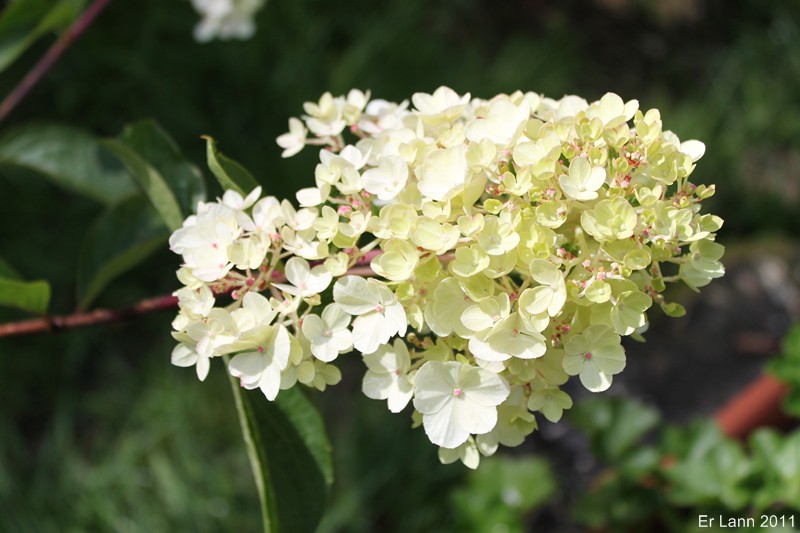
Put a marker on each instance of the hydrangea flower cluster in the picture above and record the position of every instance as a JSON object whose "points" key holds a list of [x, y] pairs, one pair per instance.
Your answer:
{"points": [[226, 19], [475, 253]]}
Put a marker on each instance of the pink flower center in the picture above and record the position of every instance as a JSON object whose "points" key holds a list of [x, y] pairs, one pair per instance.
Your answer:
{"points": [[588, 355], [458, 393]]}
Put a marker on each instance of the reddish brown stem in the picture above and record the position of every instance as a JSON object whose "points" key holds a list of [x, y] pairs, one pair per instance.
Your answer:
{"points": [[50, 57], [92, 318], [106, 316]]}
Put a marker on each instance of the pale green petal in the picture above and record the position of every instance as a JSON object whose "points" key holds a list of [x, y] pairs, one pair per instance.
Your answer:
{"points": [[355, 295]]}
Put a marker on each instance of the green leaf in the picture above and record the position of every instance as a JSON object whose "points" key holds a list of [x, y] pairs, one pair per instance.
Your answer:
{"points": [[778, 465], [151, 182], [717, 477], [33, 296], [229, 173], [121, 238], [172, 184], [70, 157], [310, 426], [289, 455], [787, 369], [673, 309], [183, 179], [501, 492], [614, 425], [24, 21]]}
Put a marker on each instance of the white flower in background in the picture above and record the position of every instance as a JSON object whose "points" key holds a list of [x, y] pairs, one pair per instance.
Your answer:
{"points": [[226, 19], [327, 333], [457, 400], [387, 375]]}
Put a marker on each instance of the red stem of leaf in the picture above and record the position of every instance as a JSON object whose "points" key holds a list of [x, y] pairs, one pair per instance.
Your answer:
{"points": [[50, 57]]}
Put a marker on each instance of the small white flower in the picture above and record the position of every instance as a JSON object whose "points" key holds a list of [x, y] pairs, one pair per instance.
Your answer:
{"points": [[212, 333], [293, 141], [387, 375], [184, 356], [226, 19], [502, 124], [262, 367], [387, 179], [197, 302], [379, 315], [457, 400], [234, 200], [328, 334], [443, 173], [305, 281], [204, 239], [444, 104]]}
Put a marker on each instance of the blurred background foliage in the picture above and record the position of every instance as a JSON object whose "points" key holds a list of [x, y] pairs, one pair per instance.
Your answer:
{"points": [[98, 432]]}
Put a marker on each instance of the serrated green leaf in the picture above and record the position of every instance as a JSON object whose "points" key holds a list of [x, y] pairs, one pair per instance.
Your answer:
{"points": [[121, 238], [229, 173], [289, 456], [70, 157], [33, 296]]}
